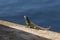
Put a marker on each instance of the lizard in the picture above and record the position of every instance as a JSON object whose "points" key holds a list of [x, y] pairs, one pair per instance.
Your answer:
{"points": [[32, 25]]}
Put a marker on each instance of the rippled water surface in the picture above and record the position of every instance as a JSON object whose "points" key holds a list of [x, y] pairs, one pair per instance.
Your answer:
{"points": [[42, 12]]}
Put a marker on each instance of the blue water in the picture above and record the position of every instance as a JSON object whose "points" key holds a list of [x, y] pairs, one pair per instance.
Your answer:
{"points": [[42, 12]]}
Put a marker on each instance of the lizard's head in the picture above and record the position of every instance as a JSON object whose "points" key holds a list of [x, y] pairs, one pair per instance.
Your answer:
{"points": [[27, 20], [25, 17]]}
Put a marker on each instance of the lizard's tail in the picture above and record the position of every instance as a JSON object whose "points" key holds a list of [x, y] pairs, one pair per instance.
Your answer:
{"points": [[48, 28]]}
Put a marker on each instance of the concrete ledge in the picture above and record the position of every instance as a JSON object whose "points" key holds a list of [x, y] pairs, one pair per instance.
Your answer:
{"points": [[41, 33]]}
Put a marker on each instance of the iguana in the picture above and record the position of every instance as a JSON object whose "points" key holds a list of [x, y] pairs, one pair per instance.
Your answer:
{"points": [[34, 26]]}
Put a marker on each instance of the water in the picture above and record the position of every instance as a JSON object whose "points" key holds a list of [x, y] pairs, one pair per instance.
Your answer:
{"points": [[42, 12]]}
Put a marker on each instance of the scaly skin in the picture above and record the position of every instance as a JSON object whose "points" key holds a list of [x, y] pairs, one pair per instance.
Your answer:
{"points": [[31, 25]]}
